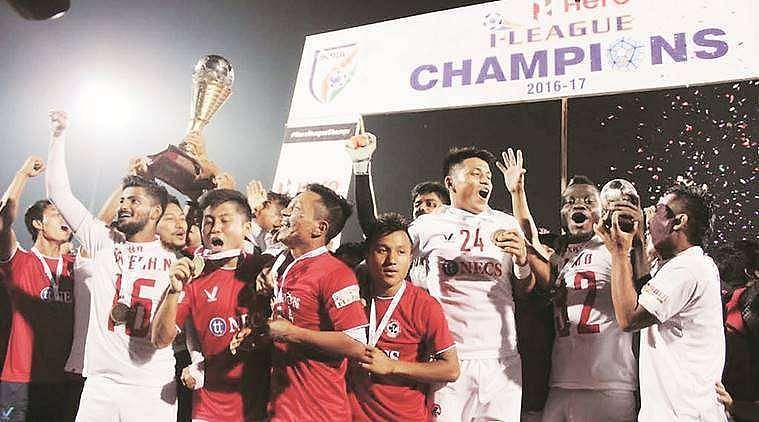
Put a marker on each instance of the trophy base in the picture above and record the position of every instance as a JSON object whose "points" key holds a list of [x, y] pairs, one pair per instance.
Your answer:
{"points": [[180, 171]]}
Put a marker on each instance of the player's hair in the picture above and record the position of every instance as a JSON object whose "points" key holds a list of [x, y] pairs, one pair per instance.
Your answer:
{"points": [[385, 224], [34, 213], [457, 155], [735, 260], [579, 179], [282, 199], [156, 192], [171, 199], [338, 208], [216, 197], [693, 202], [351, 253], [431, 187]]}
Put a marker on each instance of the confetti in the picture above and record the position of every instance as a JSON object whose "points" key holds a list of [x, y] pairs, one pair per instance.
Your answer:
{"points": [[708, 136]]}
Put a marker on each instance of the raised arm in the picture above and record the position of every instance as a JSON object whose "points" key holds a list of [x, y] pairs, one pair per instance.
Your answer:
{"points": [[81, 221], [360, 149], [514, 172], [32, 167]]}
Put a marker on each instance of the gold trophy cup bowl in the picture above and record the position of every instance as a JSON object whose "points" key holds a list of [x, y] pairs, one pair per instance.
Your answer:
{"points": [[186, 167]]}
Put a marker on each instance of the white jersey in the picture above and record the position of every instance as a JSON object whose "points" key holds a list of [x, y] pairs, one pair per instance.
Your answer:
{"points": [[590, 350], [121, 353], [683, 354], [457, 262], [83, 269]]}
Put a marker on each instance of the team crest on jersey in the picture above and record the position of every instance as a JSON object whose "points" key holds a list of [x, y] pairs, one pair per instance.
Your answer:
{"points": [[393, 328], [212, 294], [436, 410], [217, 326]]}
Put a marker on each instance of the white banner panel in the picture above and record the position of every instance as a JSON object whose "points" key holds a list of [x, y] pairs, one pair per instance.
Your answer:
{"points": [[522, 50]]}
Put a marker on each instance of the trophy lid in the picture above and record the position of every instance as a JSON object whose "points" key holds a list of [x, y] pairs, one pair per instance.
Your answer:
{"points": [[618, 190], [213, 68]]}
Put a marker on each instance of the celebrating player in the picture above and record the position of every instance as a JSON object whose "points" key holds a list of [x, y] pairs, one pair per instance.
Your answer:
{"points": [[40, 289], [472, 254], [593, 369], [267, 216], [214, 304], [130, 276], [406, 327], [318, 317], [682, 347]]}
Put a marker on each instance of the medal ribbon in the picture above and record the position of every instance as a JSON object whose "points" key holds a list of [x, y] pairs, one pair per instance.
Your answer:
{"points": [[58, 270], [375, 332]]}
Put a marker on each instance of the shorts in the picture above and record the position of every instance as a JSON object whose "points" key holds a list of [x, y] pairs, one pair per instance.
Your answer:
{"points": [[106, 401], [487, 390], [590, 406]]}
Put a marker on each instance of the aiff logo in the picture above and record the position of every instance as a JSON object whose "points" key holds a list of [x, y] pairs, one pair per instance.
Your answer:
{"points": [[332, 70]]}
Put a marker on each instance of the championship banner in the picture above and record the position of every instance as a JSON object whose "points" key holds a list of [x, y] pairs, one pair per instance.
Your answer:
{"points": [[523, 50]]}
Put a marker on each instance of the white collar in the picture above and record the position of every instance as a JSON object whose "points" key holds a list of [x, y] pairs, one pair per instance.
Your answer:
{"points": [[312, 253]]}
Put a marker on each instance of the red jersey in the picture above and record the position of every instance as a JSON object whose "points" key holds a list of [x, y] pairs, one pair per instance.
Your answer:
{"points": [[318, 292], [219, 303], [416, 330], [42, 320]]}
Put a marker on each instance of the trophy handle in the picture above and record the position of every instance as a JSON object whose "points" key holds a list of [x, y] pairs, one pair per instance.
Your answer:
{"points": [[180, 171]]}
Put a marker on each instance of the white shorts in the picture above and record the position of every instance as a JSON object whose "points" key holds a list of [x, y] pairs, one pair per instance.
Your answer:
{"points": [[487, 390], [590, 405], [106, 401]]}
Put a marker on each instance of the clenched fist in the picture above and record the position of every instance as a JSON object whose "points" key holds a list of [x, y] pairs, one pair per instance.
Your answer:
{"points": [[58, 122], [181, 273], [361, 147], [32, 167]]}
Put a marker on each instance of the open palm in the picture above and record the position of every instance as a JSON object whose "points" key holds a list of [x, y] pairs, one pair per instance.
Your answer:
{"points": [[512, 169]]}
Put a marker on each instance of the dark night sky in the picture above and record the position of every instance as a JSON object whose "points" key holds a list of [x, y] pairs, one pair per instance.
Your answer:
{"points": [[122, 70]]}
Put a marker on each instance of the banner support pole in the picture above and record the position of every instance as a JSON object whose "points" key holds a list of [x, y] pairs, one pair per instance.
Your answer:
{"points": [[564, 147]]}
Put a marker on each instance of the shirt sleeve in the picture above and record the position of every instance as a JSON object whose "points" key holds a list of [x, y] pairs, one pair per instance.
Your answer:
{"points": [[342, 300], [438, 337], [668, 293], [184, 306], [14, 264], [90, 232], [366, 208]]}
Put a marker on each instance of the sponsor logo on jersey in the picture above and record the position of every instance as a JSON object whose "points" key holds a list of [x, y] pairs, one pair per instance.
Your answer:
{"points": [[48, 295], [217, 326], [448, 237], [346, 296], [212, 294], [393, 354], [480, 268], [393, 328], [658, 294]]}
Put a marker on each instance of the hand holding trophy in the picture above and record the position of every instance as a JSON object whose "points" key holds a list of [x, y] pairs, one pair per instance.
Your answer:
{"points": [[186, 167]]}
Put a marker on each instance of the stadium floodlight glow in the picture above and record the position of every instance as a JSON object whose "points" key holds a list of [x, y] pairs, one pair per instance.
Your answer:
{"points": [[40, 10], [105, 104]]}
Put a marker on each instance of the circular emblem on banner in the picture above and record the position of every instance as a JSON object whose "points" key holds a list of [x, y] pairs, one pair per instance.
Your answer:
{"points": [[46, 294], [450, 268], [217, 326], [393, 328]]}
